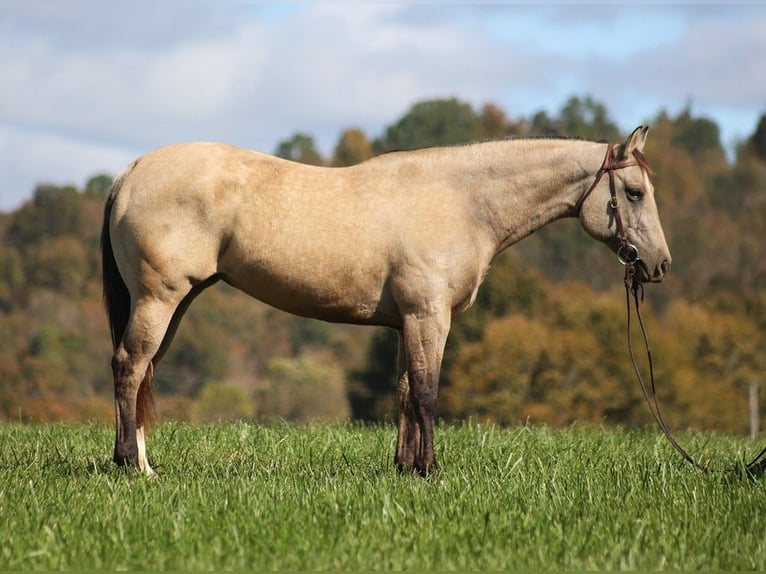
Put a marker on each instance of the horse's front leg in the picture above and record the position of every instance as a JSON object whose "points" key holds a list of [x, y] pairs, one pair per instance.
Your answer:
{"points": [[423, 343], [409, 430]]}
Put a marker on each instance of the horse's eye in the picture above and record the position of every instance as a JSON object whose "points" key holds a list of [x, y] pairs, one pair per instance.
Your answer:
{"points": [[634, 193]]}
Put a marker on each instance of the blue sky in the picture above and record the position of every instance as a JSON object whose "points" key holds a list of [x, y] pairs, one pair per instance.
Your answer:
{"points": [[88, 85]]}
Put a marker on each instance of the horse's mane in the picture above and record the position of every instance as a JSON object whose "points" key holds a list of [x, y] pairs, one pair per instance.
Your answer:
{"points": [[512, 138]]}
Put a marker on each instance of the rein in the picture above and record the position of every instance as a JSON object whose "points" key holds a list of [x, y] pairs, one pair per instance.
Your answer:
{"points": [[627, 253]]}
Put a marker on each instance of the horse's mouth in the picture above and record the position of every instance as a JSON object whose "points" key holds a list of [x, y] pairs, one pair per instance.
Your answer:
{"points": [[641, 272], [643, 275]]}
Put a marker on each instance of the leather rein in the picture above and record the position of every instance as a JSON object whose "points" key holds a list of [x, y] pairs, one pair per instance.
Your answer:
{"points": [[628, 255]]}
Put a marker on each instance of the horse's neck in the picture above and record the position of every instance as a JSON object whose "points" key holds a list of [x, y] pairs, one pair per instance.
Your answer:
{"points": [[520, 186]]}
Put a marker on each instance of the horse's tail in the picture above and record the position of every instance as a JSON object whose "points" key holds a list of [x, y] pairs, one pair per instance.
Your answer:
{"points": [[117, 300], [116, 294]]}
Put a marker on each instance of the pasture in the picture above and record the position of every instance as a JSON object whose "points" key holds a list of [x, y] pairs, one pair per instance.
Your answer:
{"points": [[236, 496]]}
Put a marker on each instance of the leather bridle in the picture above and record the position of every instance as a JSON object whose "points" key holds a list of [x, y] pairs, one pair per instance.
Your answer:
{"points": [[627, 253]]}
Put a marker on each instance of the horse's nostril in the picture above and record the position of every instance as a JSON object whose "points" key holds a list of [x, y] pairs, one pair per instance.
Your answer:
{"points": [[664, 267]]}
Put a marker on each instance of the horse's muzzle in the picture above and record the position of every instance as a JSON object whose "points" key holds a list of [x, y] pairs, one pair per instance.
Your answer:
{"points": [[655, 276], [661, 270]]}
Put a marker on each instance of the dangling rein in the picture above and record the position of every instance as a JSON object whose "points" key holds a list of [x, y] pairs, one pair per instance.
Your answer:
{"points": [[628, 256], [755, 468]]}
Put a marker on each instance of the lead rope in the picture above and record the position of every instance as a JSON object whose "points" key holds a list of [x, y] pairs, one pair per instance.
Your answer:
{"points": [[628, 256], [755, 468]]}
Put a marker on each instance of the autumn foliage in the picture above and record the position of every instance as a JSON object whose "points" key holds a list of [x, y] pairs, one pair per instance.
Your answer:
{"points": [[545, 341]]}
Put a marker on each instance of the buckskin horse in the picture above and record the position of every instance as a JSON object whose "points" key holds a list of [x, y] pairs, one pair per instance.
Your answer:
{"points": [[402, 240]]}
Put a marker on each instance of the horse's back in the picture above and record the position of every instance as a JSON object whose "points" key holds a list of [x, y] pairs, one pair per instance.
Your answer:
{"points": [[288, 234], [320, 242]]}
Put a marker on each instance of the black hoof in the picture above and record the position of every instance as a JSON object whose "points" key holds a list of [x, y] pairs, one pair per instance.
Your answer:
{"points": [[130, 459], [425, 471]]}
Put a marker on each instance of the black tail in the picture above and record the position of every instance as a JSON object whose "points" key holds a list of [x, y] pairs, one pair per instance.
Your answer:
{"points": [[117, 303], [116, 294]]}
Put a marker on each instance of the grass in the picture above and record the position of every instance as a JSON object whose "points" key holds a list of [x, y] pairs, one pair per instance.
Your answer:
{"points": [[235, 496]]}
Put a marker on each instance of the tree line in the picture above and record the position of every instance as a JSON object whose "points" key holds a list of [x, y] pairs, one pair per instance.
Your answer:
{"points": [[545, 341]]}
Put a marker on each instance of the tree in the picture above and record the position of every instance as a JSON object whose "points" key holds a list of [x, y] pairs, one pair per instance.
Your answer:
{"points": [[432, 123], [588, 119], [223, 402], [543, 125], [301, 148], [700, 136], [372, 389], [685, 183], [496, 125], [757, 141], [53, 212], [302, 389], [11, 277], [545, 339], [353, 147], [578, 117], [508, 288], [98, 186], [554, 365], [198, 355], [60, 263]]}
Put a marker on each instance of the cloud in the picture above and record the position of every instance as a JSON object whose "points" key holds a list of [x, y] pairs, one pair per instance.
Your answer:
{"points": [[89, 86], [250, 80], [31, 158], [713, 64], [717, 62]]}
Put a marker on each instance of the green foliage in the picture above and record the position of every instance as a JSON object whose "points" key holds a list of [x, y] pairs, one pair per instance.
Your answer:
{"points": [[11, 277], [580, 118], [300, 147], [301, 390], [509, 288], [545, 367], [432, 123], [545, 339], [60, 264], [757, 142], [588, 119], [53, 212], [98, 186], [223, 402], [281, 497], [700, 136], [197, 356], [48, 345], [371, 391]]}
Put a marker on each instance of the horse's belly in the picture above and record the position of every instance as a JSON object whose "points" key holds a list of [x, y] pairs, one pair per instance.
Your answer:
{"points": [[337, 294]]}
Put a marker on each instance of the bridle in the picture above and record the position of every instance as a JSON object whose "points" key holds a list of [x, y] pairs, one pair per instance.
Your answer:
{"points": [[627, 254]]}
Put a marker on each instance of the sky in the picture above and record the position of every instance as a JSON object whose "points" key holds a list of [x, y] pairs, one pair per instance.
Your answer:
{"points": [[86, 86]]}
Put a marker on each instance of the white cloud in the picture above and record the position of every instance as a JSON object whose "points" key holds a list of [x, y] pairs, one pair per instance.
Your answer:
{"points": [[32, 157], [87, 88], [717, 62]]}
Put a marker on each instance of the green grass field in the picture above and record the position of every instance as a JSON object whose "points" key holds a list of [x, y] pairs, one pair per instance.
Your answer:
{"points": [[235, 496]]}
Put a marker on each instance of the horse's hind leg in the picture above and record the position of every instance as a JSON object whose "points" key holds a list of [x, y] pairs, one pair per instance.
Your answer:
{"points": [[133, 371]]}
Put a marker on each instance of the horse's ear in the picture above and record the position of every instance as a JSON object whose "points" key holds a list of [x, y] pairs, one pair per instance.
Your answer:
{"points": [[635, 141]]}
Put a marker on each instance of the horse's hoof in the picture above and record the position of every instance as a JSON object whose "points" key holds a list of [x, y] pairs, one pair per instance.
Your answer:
{"points": [[425, 471], [428, 470]]}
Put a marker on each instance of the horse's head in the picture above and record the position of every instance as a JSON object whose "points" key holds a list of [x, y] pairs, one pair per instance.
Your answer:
{"points": [[619, 209]]}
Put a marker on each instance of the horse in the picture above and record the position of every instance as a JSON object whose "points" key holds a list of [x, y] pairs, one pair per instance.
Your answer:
{"points": [[402, 240]]}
